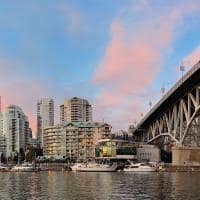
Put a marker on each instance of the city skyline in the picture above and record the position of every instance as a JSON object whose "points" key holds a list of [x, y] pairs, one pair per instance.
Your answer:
{"points": [[118, 55]]}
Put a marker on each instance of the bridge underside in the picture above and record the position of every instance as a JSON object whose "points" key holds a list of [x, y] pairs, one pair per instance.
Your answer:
{"points": [[179, 124]]}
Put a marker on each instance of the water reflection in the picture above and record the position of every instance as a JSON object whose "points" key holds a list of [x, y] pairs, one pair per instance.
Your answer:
{"points": [[70, 185]]}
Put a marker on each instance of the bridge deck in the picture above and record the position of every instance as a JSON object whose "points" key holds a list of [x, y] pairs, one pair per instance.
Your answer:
{"points": [[186, 83]]}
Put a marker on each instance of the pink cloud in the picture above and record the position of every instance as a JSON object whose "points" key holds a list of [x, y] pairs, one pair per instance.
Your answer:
{"points": [[25, 95], [18, 89], [132, 60]]}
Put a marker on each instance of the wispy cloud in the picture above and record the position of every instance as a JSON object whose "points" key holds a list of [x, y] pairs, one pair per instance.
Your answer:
{"points": [[139, 39]]}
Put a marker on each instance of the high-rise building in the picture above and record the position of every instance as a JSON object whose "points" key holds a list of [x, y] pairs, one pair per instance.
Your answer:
{"points": [[14, 131], [75, 110], [45, 116]]}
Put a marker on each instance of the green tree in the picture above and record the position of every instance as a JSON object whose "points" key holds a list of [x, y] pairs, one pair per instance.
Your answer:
{"points": [[39, 151], [32, 153], [30, 156]]}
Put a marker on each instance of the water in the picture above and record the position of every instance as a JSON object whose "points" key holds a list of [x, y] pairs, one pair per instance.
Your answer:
{"points": [[99, 186]]}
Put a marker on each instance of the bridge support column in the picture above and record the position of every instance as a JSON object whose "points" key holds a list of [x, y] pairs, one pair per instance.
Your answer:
{"points": [[186, 156]]}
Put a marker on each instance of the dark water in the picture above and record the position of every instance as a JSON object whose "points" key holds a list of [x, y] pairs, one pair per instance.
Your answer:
{"points": [[119, 185]]}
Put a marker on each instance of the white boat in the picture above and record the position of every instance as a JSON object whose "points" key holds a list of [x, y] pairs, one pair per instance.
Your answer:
{"points": [[93, 167], [139, 167], [24, 168]]}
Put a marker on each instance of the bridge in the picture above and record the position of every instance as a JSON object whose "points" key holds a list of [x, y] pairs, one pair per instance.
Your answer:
{"points": [[175, 118]]}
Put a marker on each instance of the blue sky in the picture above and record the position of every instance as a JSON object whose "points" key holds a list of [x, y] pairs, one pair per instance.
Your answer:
{"points": [[116, 53]]}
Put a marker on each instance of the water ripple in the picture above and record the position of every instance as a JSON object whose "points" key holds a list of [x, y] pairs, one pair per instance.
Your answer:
{"points": [[98, 186]]}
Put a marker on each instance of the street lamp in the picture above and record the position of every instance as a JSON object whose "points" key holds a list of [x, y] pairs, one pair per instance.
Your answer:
{"points": [[162, 90], [150, 104]]}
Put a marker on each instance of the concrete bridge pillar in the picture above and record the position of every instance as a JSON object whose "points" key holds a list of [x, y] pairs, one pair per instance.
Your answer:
{"points": [[189, 156]]}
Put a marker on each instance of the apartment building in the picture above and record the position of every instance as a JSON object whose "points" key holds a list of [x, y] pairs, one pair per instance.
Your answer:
{"points": [[75, 140]]}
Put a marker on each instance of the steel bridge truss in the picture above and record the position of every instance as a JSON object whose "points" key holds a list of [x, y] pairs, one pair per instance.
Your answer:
{"points": [[180, 123]]}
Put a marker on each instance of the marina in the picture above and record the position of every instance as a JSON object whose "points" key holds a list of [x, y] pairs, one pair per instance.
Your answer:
{"points": [[129, 166], [100, 100]]}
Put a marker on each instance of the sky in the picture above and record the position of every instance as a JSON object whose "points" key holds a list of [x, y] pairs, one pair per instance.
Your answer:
{"points": [[118, 54]]}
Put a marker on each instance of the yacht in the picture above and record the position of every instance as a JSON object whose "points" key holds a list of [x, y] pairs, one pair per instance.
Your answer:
{"points": [[94, 167], [139, 167]]}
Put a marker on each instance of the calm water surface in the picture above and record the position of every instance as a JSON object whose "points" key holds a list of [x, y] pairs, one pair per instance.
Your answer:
{"points": [[119, 185]]}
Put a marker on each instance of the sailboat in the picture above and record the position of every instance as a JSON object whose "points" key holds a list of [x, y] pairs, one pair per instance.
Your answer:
{"points": [[25, 167]]}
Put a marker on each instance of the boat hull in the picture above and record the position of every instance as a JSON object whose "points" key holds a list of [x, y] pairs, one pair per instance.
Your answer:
{"points": [[96, 170], [24, 170], [140, 170]]}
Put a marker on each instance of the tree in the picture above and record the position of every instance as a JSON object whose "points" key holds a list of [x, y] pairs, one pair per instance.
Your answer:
{"points": [[39, 151], [30, 156], [32, 153]]}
